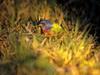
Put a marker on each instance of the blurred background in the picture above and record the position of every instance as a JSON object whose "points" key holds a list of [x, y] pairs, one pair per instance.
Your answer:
{"points": [[88, 10]]}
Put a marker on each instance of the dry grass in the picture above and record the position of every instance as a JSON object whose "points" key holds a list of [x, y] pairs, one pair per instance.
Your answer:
{"points": [[68, 52]]}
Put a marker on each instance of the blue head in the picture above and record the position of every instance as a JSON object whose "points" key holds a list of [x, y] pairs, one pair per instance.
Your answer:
{"points": [[46, 24]]}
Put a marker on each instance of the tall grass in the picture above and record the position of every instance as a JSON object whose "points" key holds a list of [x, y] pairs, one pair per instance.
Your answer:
{"points": [[68, 52]]}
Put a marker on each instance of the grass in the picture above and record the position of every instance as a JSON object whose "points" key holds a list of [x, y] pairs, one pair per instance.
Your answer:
{"points": [[68, 52]]}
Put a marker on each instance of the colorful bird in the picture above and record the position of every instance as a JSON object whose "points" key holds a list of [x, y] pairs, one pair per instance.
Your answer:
{"points": [[46, 26]]}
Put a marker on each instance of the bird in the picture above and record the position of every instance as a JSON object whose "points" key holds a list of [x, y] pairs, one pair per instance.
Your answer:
{"points": [[46, 24], [46, 27]]}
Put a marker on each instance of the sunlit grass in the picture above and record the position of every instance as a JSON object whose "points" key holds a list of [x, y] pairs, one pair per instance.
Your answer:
{"points": [[66, 52]]}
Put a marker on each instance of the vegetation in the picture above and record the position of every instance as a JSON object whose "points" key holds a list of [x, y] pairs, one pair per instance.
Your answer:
{"points": [[25, 50]]}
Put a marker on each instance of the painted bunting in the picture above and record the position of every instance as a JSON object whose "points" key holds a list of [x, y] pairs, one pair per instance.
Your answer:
{"points": [[46, 26]]}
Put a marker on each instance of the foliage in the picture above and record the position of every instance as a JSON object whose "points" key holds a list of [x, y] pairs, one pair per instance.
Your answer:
{"points": [[69, 51]]}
